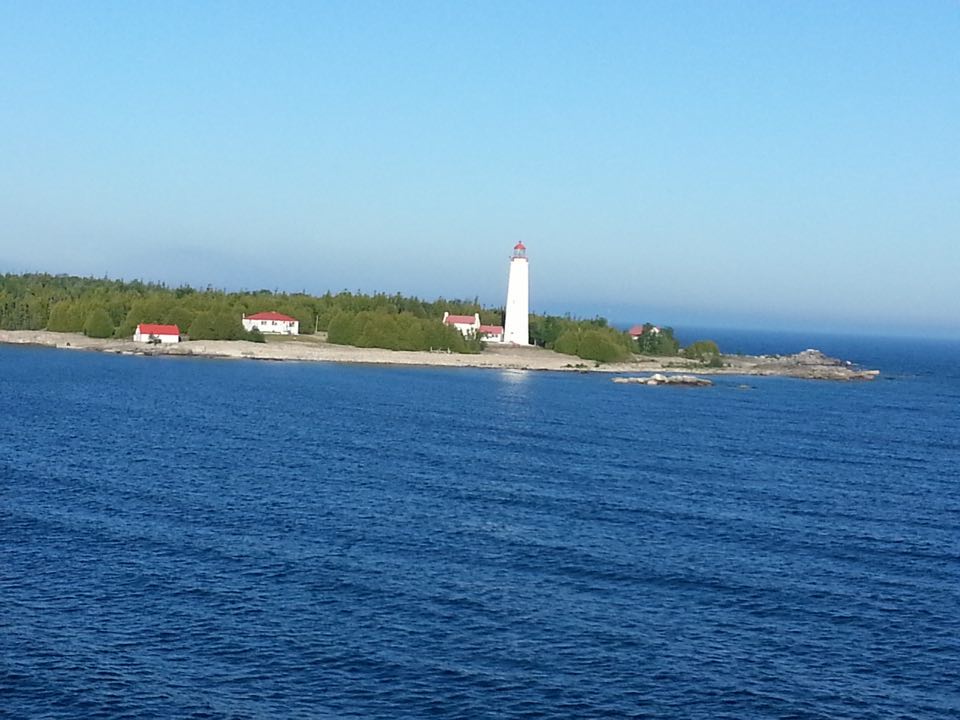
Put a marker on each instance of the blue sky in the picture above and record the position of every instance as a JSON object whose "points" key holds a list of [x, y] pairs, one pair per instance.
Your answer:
{"points": [[767, 164]]}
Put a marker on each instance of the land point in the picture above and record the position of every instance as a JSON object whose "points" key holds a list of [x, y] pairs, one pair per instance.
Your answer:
{"points": [[809, 364]]}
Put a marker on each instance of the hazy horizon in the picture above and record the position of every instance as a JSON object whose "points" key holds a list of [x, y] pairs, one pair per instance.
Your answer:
{"points": [[749, 165], [618, 317]]}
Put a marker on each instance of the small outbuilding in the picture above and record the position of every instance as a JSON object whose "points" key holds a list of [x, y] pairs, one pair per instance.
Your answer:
{"points": [[491, 333], [272, 322], [158, 334]]}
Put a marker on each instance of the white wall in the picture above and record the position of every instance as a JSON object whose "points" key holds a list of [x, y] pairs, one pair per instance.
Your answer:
{"points": [[164, 339], [466, 329], [516, 328], [276, 327]]}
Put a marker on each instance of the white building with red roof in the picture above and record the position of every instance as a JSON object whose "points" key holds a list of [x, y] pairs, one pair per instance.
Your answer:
{"points": [[467, 324], [491, 333], [638, 330], [272, 322], [157, 334]]}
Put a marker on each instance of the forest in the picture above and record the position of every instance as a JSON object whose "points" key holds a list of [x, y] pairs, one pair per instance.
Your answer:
{"points": [[102, 307]]}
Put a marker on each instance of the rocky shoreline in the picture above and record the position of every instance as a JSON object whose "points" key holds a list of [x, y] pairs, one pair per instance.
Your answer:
{"points": [[809, 364]]}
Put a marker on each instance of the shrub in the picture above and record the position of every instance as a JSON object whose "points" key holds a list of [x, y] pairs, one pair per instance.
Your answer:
{"points": [[602, 347], [702, 350], [600, 344], [202, 327], [568, 343], [397, 331], [98, 324], [66, 317], [228, 326], [656, 341], [222, 325]]}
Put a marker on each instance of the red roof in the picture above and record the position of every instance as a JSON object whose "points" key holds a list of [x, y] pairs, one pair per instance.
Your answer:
{"points": [[271, 316], [460, 319], [491, 329], [635, 330], [520, 246], [151, 329]]}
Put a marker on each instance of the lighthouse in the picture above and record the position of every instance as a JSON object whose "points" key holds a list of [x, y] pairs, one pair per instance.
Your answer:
{"points": [[516, 328]]}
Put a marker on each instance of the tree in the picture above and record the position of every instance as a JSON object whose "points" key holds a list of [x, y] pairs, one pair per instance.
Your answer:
{"points": [[568, 343], [657, 341], [65, 316], [98, 324], [202, 327], [180, 316], [703, 350], [599, 343], [343, 329], [602, 347], [228, 326]]}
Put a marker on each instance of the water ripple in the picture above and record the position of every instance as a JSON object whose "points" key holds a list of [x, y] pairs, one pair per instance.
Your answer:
{"points": [[309, 541]]}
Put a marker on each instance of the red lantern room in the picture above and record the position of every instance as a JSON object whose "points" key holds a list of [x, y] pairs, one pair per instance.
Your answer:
{"points": [[520, 250]]}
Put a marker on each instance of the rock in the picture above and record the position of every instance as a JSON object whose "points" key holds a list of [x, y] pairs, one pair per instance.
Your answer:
{"points": [[812, 365], [660, 379]]}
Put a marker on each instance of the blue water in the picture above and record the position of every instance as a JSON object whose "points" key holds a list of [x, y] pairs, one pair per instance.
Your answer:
{"points": [[214, 539]]}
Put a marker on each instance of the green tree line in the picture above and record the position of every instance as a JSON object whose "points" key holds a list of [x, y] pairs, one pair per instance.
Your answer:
{"points": [[398, 331], [114, 308], [102, 307], [594, 339]]}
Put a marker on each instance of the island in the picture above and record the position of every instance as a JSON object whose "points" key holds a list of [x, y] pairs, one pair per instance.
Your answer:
{"points": [[809, 364], [142, 318]]}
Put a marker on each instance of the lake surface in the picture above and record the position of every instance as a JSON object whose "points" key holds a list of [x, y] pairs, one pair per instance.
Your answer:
{"points": [[234, 539]]}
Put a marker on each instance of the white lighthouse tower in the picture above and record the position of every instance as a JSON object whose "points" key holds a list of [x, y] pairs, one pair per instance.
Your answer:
{"points": [[516, 328]]}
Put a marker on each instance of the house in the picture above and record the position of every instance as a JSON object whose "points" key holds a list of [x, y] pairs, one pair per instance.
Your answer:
{"points": [[491, 333], [272, 322], [467, 324], [637, 330], [151, 333]]}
